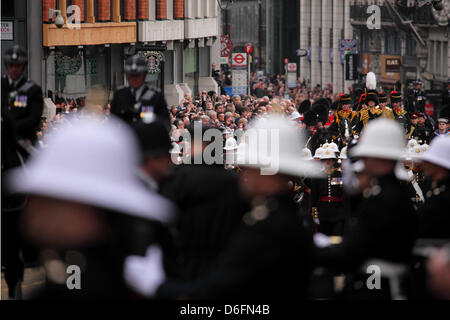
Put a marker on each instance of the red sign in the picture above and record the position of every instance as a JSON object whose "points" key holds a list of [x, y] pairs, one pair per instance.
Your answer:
{"points": [[248, 48], [239, 60], [292, 67], [286, 61], [225, 46], [429, 109]]}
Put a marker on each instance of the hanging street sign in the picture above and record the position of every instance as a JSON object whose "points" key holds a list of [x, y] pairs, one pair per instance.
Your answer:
{"points": [[225, 46], [302, 52]]}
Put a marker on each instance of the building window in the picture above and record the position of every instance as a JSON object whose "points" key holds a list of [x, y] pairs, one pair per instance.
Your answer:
{"points": [[81, 4], [190, 67], [168, 67], [410, 46], [178, 9], [143, 9], [392, 44], [71, 71], [437, 58], [128, 10], [204, 62], [444, 68], [161, 10], [8, 8], [102, 10], [179, 62]]}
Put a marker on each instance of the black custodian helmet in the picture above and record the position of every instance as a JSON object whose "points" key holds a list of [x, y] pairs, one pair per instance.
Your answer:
{"points": [[136, 65], [16, 55]]}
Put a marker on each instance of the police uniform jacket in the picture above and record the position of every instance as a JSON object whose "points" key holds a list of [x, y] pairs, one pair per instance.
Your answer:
{"points": [[24, 104], [269, 257], [385, 228], [126, 107], [416, 101]]}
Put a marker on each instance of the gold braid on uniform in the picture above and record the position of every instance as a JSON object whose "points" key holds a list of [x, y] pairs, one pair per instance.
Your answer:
{"points": [[315, 213], [400, 111], [387, 113], [411, 132], [364, 114]]}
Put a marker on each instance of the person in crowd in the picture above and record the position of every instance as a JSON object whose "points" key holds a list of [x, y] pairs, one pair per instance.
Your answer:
{"points": [[434, 220]]}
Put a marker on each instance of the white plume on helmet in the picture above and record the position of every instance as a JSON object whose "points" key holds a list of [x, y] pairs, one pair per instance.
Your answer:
{"points": [[371, 81]]}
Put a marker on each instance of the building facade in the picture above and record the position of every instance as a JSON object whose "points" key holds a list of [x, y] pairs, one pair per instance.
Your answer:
{"points": [[399, 52], [68, 60], [270, 26], [323, 23]]}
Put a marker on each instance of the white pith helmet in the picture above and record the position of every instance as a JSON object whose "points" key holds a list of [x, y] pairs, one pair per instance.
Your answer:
{"points": [[273, 145], [381, 138]]}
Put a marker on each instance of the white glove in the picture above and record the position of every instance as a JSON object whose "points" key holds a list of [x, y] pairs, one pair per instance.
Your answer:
{"points": [[321, 240], [145, 274]]}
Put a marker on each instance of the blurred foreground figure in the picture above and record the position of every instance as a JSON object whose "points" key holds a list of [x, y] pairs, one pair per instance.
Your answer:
{"points": [[84, 198], [434, 219], [211, 206], [385, 224], [270, 254], [22, 106], [439, 273]]}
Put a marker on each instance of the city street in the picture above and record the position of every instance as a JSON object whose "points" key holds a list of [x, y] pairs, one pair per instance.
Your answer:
{"points": [[215, 150]]}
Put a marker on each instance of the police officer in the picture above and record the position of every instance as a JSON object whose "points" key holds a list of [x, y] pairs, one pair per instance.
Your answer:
{"points": [[138, 100], [21, 98], [22, 106], [416, 98]]}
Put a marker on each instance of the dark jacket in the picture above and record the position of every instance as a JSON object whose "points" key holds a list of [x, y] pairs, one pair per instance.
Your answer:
{"points": [[434, 218], [24, 108], [268, 258], [211, 206], [123, 104], [385, 228]]}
